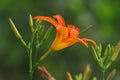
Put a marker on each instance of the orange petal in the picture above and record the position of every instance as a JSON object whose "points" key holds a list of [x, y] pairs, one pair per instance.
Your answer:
{"points": [[48, 19], [60, 20], [92, 41], [73, 31], [83, 41]]}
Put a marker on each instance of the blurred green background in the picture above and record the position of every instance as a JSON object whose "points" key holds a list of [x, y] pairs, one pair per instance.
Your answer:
{"points": [[103, 15]]}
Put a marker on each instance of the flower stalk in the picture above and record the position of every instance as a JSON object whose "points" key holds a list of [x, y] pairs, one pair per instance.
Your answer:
{"points": [[46, 54]]}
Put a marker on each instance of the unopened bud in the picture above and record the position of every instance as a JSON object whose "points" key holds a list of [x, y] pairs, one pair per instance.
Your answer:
{"points": [[14, 29], [31, 22], [87, 73], [107, 50], [47, 34], [69, 76], [79, 77], [116, 52], [45, 73], [111, 75], [94, 78], [40, 30], [95, 53]]}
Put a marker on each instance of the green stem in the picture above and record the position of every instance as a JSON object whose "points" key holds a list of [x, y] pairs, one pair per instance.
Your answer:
{"points": [[35, 56], [30, 65], [30, 57], [103, 74], [46, 54], [23, 42]]}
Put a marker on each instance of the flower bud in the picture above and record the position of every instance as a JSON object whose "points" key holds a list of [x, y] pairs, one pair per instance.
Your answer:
{"points": [[87, 73], [79, 77], [31, 22], [94, 78], [40, 30], [116, 52], [45, 73], [95, 52], [111, 75], [107, 50], [69, 76], [14, 29], [47, 34]]}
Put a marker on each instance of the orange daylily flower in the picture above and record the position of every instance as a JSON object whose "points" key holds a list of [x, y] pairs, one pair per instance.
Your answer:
{"points": [[66, 36]]}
